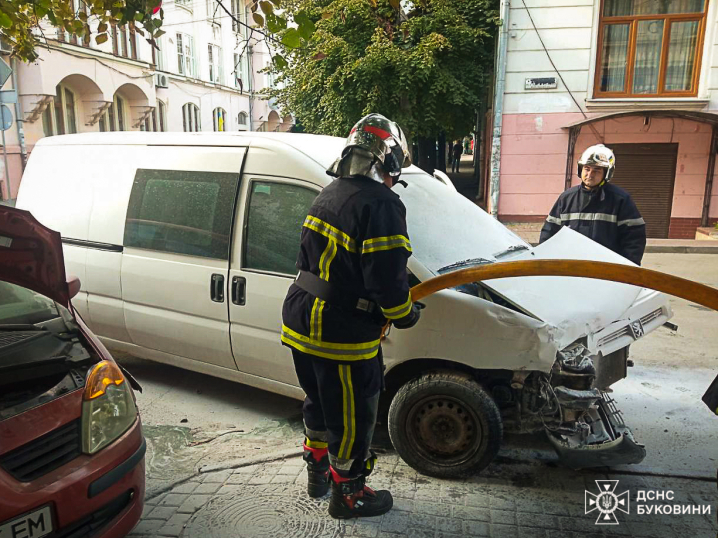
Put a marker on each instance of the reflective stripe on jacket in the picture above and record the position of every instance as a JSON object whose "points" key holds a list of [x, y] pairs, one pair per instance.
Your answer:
{"points": [[354, 238], [607, 215]]}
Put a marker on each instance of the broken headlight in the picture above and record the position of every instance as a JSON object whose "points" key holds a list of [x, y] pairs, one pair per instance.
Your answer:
{"points": [[108, 407]]}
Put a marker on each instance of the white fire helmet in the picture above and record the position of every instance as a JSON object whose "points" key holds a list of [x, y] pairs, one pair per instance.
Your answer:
{"points": [[601, 156]]}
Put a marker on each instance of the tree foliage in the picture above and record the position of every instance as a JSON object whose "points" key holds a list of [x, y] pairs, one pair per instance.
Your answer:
{"points": [[20, 20], [426, 68]]}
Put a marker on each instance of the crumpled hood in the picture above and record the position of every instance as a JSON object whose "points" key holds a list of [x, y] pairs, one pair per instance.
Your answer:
{"points": [[31, 255]]}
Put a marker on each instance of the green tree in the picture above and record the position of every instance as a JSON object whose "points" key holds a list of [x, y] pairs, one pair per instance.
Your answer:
{"points": [[426, 68], [20, 20]]}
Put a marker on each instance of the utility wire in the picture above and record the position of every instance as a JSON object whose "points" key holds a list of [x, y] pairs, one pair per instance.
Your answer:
{"points": [[593, 128]]}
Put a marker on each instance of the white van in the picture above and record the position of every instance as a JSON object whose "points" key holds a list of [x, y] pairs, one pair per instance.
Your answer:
{"points": [[185, 245]]}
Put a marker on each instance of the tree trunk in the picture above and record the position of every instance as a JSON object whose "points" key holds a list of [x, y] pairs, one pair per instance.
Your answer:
{"points": [[441, 164], [423, 163]]}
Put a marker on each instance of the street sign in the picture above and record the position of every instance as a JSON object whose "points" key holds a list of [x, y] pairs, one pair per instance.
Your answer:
{"points": [[6, 117], [8, 96], [5, 73]]}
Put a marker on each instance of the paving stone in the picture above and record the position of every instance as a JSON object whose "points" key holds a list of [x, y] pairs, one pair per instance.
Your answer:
{"points": [[187, 487], [403, 504], [466, 512], [396, 522], [449, 525], [260, 479], [503, 517], [651, 530], [503, 531], [207, 488], [193, 503], [477, 499], [553, 508], [147, 527], [162, 512], [217, 476], [502, 503], [239, 478], [476, 528], [231, 489], [527, 532], [173, 499], [544, 521], [364, 529], [433, 509], [442, 534], [587, 524], [174, 525]]}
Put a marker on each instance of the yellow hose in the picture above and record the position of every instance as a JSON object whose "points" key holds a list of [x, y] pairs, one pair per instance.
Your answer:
{"points": [[626, 274]]}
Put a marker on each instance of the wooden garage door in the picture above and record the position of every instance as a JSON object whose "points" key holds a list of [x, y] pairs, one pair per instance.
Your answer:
{"points": [[647, 172]]}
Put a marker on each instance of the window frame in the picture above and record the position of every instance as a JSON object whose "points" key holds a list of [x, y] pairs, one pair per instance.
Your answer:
{"points": [[182, 63], [191, 117], [632, 21], [244, 127], [216, 114], [214, 57], [52, 116], [139, 190], [246, 205], [115, 116]]}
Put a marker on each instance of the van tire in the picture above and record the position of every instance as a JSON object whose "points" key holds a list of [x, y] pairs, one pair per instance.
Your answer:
{"points": [[452, 404]]}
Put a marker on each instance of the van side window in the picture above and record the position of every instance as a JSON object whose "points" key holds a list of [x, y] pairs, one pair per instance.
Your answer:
{"points": [[181, 212], [274, 226]]}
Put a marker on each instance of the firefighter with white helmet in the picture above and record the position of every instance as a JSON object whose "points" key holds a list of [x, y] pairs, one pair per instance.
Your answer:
{"points": [[599, 210]]}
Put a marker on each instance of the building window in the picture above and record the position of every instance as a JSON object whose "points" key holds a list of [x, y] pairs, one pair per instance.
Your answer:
{"points": [[161, 116], [158, 55], [187, 4], [243, 121], [219, 119], [186, 64], [650, 48], [215, 63], [190, 118], [241, 73], [113, 119], [59, 117], [238, 14]]}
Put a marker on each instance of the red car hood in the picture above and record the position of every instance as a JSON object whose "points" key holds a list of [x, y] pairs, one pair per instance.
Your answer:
{"points": [[31, 255]]}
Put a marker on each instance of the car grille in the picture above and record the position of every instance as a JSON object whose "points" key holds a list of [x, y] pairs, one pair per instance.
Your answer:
{"points": [[650, 317], [44, 454], [626, 331], [91, 525]]}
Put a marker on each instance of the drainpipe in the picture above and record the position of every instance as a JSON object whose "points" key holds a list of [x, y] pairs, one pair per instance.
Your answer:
{"points": [[19, 117], [250, 82], [499, 87]]}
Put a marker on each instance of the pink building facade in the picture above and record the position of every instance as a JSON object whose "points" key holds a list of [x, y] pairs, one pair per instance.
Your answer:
{"points": [[640, 77]]}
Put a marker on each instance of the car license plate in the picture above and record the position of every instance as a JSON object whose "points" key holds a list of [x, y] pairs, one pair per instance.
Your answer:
{"points": [[36, 524]]}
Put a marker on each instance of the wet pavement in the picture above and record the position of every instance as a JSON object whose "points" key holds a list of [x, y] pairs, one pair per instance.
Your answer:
{"points": [[508, 500]]}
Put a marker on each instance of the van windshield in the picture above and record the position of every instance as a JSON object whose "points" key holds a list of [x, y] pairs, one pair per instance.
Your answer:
{"points": [[449, 231], [21, 306]]}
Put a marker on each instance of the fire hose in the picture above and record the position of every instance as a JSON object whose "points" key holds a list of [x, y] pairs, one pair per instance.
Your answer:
{"points": [[626, 274]]}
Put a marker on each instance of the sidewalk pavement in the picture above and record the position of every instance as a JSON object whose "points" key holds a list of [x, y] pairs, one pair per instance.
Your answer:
{"points": [[506, 500]]}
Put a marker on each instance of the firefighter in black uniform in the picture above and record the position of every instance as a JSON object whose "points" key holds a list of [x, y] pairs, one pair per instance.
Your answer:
{"points": [[599, 210], [352, 278]]}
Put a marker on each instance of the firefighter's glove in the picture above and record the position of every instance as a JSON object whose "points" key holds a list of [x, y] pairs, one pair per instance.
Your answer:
{"points": [[411, 319]]}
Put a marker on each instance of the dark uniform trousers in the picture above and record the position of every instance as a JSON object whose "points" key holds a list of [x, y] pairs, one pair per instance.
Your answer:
{"points": [[341, 407]]}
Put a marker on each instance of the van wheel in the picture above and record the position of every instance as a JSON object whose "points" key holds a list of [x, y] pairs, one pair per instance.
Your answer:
{"points": [[445, 425]]}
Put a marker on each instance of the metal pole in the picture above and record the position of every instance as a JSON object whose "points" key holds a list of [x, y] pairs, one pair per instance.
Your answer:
{"points": [[4, 154], [709, 177], [19, 120], [498, 109]]}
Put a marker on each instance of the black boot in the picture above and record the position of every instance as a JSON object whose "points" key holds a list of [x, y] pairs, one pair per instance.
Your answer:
{"points": [[317, 471], [353, 498]]}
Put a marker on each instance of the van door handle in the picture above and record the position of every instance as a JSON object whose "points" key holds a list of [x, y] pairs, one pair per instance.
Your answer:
{"points": [[216, 290], [239, 290]]}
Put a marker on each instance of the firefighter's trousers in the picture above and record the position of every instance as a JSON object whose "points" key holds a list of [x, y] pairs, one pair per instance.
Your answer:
{"points": [[341, 407]]}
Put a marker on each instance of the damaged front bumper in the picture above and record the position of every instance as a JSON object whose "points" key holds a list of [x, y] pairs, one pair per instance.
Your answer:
{"points": [[600, 438]]}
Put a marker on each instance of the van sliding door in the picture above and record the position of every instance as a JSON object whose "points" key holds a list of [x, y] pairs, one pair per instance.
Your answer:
{"points": [[177, 241]]}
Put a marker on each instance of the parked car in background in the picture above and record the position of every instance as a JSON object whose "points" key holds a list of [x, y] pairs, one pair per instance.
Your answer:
{"points": [[186, 245], [71, 444]]}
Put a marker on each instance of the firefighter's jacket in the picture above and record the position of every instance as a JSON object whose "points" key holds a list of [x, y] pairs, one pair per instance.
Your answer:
{"points": [[606, 214], [355, 238]]}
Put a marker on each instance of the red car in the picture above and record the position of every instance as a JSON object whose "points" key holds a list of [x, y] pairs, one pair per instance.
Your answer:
{"points": [[71, 445]]}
